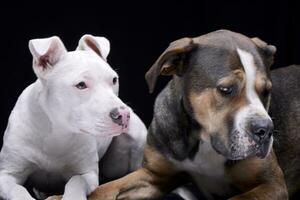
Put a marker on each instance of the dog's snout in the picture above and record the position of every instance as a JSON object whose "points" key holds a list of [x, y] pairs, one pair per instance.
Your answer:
{"points": [[120, 116], [262, 128]]}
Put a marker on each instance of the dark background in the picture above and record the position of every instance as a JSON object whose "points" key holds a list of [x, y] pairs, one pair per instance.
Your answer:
{"points": [[138, 32]]}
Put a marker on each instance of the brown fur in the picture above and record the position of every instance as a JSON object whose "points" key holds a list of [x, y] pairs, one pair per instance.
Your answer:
{"points": [[260, 178]]}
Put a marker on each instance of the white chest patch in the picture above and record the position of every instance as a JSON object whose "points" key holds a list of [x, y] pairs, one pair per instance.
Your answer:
{"points": [[206, 162], [207, 169]]}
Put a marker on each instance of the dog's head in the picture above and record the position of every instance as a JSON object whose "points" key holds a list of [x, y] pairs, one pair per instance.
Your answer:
{"points": [[225, 86], [79, 90]]}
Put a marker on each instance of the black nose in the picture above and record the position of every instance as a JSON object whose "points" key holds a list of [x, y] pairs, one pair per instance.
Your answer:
{"points": [[262, 128]]}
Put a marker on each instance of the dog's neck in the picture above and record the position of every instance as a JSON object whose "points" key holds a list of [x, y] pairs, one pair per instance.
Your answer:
{"points": [[42, 124], [173, 126]]}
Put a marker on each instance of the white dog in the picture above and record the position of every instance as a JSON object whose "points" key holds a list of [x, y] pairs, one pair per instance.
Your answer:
{"points": [[63, 124]]}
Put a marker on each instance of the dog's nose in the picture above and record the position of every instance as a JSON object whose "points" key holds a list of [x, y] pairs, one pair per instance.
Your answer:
{"points": [[120, 116], [262, 128]]}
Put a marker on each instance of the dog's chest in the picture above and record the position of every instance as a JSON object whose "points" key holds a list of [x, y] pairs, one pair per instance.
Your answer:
{"points": [[70, 153], [207, 170]]}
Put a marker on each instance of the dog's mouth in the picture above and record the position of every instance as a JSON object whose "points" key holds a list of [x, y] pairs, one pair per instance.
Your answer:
{"points": [[241, 146], [265, 148], [109, 132]]}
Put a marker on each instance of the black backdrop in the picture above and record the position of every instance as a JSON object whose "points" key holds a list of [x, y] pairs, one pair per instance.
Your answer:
{"points": [[138, 33]]}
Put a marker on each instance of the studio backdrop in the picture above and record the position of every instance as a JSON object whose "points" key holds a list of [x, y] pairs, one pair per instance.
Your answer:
{"points": [[138, 32]]}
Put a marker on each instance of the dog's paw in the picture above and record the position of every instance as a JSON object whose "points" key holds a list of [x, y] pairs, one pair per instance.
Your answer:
{"points": [[103, 193], [56, 197]]}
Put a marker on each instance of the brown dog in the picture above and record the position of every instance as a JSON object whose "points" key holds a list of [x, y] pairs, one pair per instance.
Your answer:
{"points": [[211, 124]]}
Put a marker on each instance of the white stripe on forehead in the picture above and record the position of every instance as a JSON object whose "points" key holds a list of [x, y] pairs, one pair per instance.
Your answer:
{"points": [[250, 72]]}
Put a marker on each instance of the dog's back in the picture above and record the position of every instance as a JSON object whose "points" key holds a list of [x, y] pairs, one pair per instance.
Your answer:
{"points": [[285, 111]]}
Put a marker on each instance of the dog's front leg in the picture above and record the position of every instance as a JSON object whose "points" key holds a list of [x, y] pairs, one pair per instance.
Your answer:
{"points": [[11, 190], [259, 179], [264, 192], [79, 186]]}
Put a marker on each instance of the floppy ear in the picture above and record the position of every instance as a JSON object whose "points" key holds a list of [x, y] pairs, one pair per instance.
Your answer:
{"points": [[100, 45], [267, 49], [170, 62], [46, 53]]}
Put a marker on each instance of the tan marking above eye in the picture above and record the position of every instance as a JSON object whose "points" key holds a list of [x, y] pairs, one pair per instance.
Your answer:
{"points": [[269, 85], [240, 74], [262, 83], [226, 81], [233, 78]]}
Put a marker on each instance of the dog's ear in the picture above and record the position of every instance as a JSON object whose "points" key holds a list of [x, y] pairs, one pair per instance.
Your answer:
{"points": [[267, 49], [171, 61], [100, 45], [46, 53]]}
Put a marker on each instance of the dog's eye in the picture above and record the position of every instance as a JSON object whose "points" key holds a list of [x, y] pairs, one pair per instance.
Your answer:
{"points": [[225, 90], [81, 85], [115, 80]]}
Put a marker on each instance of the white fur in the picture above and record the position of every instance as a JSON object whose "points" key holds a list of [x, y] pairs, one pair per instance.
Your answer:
{"points": [[207, 169], [57, 128], [250, 72]]}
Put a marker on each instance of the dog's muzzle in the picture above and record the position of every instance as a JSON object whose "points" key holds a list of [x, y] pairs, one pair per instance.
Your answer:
{"points": [[254, 139], [120, 116]]}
